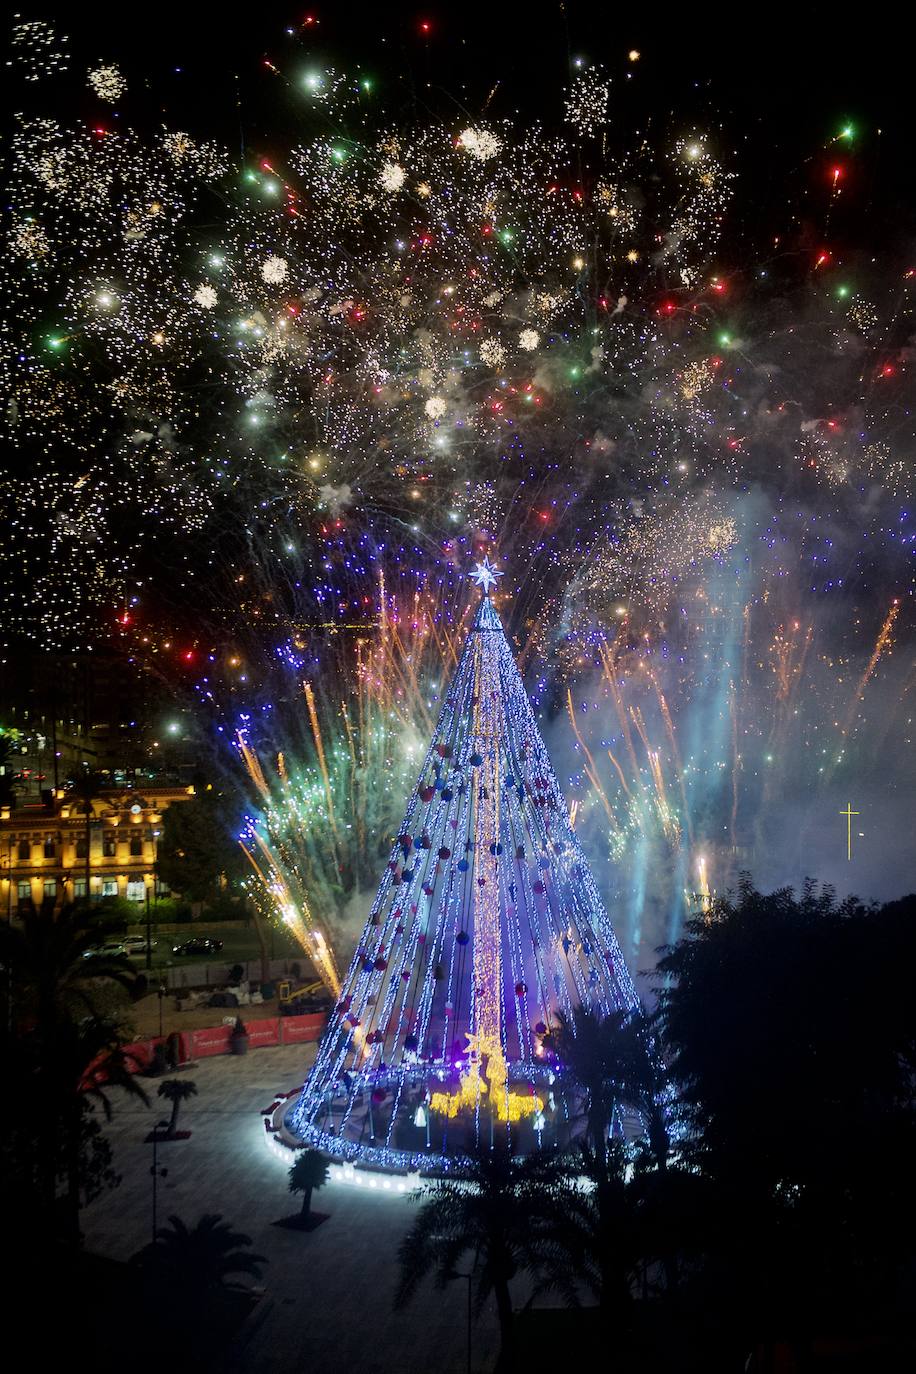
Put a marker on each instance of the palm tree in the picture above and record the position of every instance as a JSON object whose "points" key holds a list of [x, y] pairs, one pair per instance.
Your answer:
{"points": [[505, 1212], [309, 1172], [82, 1061], [87, 786], [610, 1059], [601, 1239], [615, 1063], [176, 1090], [53, 967], [193, 1264], [64, 1048]]}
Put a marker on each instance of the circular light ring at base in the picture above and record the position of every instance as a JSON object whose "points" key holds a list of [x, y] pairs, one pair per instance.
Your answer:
{"points": [[358, 1124]]}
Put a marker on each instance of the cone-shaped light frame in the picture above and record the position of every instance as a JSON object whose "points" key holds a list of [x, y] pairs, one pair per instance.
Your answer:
{"points": [[487, 922]]}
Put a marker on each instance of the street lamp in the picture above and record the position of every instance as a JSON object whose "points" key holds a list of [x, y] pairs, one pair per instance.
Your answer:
{"points": [[9, 885], [149, 931], [161, 992], [155, 1171], [458, 1274]]}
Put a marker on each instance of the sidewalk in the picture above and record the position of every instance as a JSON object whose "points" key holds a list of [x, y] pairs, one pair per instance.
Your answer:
{"points": [[330, 1290]]}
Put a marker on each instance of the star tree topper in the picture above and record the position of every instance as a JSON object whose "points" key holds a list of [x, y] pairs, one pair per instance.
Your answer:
{"points": [[485, 575]]}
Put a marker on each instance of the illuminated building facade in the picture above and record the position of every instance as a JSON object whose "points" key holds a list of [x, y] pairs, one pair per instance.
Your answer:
{"points": [[43, 847]]}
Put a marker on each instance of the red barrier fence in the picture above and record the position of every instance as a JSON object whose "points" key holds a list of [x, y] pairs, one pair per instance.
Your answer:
{"points": [[202, 1044], [211, 1040], [274, 1030], [296, 1030], [263, 1032]]}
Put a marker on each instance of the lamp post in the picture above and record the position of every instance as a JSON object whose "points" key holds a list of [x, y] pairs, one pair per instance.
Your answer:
{"points": [[156, 834], [161, 992], [458, 1274], [156, 1172], [149, 931]]}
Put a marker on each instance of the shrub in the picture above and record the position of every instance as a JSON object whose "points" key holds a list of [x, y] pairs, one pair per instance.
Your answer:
{"points": [[118, 914], [224, 908]]}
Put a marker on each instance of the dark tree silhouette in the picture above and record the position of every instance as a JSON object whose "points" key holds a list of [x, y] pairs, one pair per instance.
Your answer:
{"points": [[505, 1214], [62, 1050], [309, 1173], [791, 1041], [176, 1091], [609, 1059], [192, 1274], [87, 786], [197, 849]]}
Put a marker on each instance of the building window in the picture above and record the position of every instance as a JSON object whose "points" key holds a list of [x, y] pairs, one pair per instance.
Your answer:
{"points": [[25, 850], [109, 844], [82, 847], [109, 887], [50, 847], [79, 888], [50, 889], [136, 844], [24, 891], [136, 890]]}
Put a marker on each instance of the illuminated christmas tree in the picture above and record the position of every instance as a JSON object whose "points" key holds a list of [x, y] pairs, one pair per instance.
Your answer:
{"points": [[487, 922]]}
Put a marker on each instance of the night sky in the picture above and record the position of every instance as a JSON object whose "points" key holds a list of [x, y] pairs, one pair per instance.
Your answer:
{"points": [[798, 476]]}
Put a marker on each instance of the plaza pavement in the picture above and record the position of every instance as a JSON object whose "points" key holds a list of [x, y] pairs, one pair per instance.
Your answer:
{"points": [[329, 1291]]}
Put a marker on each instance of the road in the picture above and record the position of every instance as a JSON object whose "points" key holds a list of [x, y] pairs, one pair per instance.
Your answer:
{"points": [[239, 945]]}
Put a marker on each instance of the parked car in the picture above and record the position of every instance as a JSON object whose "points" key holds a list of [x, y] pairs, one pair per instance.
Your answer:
{"points": [[200, 945], [109, 948], [136, 944]]}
